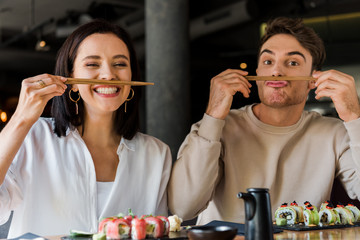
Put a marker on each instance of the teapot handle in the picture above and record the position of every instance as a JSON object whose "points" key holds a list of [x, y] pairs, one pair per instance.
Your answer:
{"points": [[250, 205]]}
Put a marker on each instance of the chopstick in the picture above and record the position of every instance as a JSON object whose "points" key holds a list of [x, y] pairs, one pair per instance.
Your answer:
{"points": [[105, 82], [280, 78]]}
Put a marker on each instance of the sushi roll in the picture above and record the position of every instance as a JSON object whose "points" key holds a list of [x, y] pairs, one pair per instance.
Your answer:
{"points": [[346, 216], [328, 216], [288, 213], [138, 228], [117, 229], [166, 223], [154, 227], [103, 223], [355, 211], [324, 204], [311, 216], [306, 203], [299, 211]]}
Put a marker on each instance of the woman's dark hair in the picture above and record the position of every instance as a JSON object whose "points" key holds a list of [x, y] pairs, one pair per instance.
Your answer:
{"points": [[306, 36], [64, 110]]}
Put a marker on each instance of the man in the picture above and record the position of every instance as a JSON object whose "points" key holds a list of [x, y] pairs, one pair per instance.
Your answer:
{"points": [[274, 144]]}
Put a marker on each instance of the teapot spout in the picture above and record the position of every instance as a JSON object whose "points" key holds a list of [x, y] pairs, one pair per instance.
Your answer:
{"points": [[250, 204]]}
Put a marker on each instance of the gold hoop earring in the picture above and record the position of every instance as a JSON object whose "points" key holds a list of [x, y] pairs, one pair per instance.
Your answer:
{"points": [[75, 101], [128, 99]]}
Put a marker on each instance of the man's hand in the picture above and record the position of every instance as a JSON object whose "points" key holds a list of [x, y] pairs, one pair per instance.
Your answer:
{"points": [[340, 87], [222, 89]]}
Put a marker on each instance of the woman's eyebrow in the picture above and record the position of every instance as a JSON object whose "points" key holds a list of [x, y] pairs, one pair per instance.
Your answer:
{"points": [[121, 56], [91, 57]]}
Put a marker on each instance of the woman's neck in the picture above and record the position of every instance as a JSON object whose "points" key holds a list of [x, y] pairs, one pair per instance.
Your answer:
{"points": [[99, 130]]}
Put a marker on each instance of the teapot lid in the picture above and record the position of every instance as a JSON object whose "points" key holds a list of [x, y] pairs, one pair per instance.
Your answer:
{"points": [[257, 190]]}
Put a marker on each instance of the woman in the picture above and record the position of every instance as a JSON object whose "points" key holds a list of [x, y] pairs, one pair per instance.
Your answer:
{"points": [[89, 161]]}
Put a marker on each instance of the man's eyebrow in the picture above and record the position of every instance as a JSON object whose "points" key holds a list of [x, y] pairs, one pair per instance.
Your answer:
{"points": [[289, 53], [266, 51], [297, 53]]}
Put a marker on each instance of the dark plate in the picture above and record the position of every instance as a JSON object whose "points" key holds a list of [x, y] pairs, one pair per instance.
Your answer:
{"points": [[240, 226], [212, 233], [302, 227]]}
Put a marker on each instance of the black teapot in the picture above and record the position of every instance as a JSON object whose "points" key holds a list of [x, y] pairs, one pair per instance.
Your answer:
{"points": [[258, 219]]}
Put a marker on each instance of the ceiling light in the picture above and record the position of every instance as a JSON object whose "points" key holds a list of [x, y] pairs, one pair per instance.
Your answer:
{"points": [[3, 116], [243, 65], [41, 46]]}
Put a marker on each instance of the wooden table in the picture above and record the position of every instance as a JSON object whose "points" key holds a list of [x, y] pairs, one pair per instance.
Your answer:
{"points": [[352, 233]]}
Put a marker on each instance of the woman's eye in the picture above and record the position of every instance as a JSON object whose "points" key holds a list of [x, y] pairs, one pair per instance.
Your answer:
{"points": [[120, 64], [92, 64]]}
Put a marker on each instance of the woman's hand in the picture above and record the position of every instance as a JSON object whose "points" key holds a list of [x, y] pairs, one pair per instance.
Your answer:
{"points": [[35, 93], [340, 87], [222, 89]]}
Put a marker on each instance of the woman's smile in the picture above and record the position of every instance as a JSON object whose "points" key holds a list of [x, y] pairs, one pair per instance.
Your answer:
{"points": [[107, 91]]}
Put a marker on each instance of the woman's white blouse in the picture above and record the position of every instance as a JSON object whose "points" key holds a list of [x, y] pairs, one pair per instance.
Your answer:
{"points": [[51, 184]]}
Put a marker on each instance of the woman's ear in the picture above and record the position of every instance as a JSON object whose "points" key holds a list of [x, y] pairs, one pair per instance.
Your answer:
{"points": [[74, 88]]}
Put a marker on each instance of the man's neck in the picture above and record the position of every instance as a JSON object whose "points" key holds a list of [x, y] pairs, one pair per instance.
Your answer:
{"points": [[280, 117]]}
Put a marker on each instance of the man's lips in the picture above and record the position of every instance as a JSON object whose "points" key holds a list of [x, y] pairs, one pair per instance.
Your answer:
{"points": [[276, 84]]}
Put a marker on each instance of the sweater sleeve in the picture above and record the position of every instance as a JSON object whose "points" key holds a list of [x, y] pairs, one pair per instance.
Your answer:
{"points": [[197, 169], [349, 164], [353, 129]]}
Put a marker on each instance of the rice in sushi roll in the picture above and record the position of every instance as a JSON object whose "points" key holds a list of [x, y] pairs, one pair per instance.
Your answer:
{"points": [[346, 216], [354, 210], [154, 227], [138, 228], [118, 229], [288, 213], [311, 216], [299, 211], [328, 216]]}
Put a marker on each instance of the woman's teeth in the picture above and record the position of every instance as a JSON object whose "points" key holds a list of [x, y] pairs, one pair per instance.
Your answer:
{"points": [[106, 90]]}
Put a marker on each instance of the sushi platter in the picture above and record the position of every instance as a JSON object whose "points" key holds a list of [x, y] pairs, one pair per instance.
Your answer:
{"points": [[303, 227], [305, 218], [172, 235]]}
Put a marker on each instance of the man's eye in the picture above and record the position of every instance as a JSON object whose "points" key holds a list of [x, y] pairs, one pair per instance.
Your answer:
{"points": [[293, 63], [267, 62]]}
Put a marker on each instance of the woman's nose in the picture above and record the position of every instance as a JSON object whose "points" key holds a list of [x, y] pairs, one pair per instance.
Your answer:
{"points": [[107, 72]]}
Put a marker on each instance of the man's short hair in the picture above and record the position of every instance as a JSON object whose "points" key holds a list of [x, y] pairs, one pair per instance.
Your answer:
{"points": [[306, 36]]}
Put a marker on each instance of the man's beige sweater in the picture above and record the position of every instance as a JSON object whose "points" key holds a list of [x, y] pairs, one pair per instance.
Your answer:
{"points": [[220, 158]]}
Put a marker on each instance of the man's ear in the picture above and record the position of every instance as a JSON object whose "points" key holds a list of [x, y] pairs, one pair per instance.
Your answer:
{"points": [[312, 82]]}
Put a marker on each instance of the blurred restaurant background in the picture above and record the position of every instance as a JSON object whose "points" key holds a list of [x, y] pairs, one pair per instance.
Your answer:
{"points": [[181, 45]]}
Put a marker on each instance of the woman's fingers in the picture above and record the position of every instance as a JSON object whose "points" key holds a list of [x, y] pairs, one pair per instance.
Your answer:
{"points": [[36, 92]]}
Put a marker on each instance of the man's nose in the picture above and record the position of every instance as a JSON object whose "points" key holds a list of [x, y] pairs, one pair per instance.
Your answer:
{"points": [[277, 70]]}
